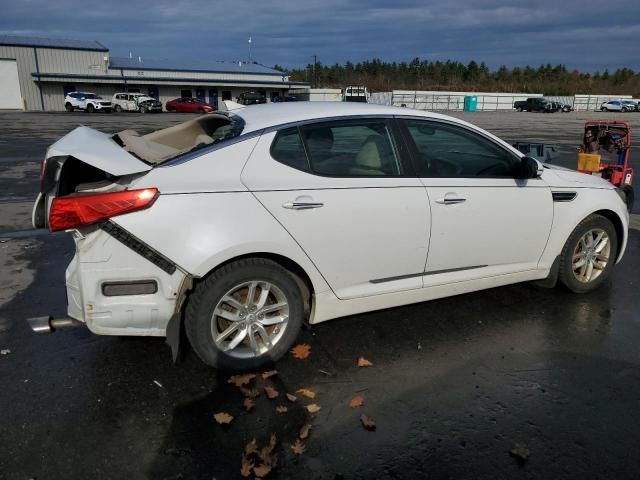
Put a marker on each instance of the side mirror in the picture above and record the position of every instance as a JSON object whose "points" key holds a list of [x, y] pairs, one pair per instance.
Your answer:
{"points": [[530, 168]]}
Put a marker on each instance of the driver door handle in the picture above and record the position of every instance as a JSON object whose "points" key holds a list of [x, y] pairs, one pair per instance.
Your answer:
{"points": [[451, 200], [302, 205]]}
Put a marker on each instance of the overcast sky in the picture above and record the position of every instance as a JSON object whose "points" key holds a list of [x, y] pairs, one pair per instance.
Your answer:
{"points": [[582, 34]]}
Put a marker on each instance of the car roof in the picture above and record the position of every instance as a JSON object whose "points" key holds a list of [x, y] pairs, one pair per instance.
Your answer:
{"points": [[259, 117]]}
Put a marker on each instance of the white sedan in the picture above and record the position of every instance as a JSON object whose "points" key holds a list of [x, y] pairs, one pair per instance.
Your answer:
{"points": [[243, 226]]}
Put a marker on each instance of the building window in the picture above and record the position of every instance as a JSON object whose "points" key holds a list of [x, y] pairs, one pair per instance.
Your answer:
{"points": [[186, 93], [226, 94]]}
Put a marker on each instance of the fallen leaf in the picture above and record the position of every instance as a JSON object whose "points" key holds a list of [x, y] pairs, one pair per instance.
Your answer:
{"points": [[520, 451], [363, 362], [291, 398], [248, 404], [251, 447], [301, 351], [306, 393], [305, 430], [367, 423], [269, 374], [247, 465], [262, 471], [356, 402], [298, 447], [223, 418], [268, 455], [240, 380], [282, 409], [313, 408], [271, 392], [249, 392]]}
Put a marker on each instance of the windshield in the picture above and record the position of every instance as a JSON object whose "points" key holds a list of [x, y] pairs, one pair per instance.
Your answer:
{"points": [[93, 96]]}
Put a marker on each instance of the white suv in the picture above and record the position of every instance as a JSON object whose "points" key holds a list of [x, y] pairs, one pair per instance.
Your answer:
{"points": [[89, 102], [135, 102]]}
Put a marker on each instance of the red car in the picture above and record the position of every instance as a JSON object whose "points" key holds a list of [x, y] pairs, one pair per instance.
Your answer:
{"points": [[189, 105]]}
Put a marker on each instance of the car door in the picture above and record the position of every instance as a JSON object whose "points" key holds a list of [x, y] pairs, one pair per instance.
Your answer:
{"points": [[342, 191], [484, 221]]}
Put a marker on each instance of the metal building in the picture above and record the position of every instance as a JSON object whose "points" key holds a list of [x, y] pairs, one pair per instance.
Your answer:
{"points": [[36, 73]]}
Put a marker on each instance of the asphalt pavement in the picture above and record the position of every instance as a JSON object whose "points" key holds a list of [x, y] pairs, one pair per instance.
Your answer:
{"points": [[513, 382]]}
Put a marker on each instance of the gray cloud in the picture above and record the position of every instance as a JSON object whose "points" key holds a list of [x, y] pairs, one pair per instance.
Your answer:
{"points": [[577, 33]]}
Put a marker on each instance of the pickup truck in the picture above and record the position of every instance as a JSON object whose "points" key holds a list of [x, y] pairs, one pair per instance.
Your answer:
{"points": [[534, 104]]}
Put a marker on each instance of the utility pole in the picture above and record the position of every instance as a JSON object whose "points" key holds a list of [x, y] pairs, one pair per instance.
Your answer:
{"points": [[249, 49], [313, 84]]}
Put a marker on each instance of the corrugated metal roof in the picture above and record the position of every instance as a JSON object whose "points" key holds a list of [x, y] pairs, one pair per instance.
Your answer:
{"points": [[191, 66], [65, 43]]}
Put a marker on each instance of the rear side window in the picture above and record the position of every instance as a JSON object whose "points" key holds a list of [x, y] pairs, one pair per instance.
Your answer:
{"points": [[362, 148], [287, 148]]}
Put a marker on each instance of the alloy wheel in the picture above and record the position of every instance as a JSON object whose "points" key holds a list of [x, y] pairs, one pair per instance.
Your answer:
{"points": [[250, 319], [591, 255]]}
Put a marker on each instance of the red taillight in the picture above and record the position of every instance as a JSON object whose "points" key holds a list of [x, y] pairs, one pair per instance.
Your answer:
{"points": [[76, 211]]}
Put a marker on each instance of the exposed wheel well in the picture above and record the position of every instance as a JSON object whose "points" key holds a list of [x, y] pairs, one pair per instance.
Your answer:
{"points": [[299, 274], [617, 223]]}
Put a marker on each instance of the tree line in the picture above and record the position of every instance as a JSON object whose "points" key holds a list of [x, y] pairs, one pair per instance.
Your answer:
{"points": [[419, 74]]}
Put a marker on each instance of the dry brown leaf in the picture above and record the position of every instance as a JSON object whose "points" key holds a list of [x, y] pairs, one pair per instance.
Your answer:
{"points": [[367, 423], [248, 404], [249, 392], [313, 408], [356, 401], [240, 380], [247, 466], [251, 447], [262, 471], [301, 351], [363, 362], [305, 392], [305, 430], [291, 398], [223, 418], [269, 374], [298, 447], [271, 392], [282, 409], [520, 451]]}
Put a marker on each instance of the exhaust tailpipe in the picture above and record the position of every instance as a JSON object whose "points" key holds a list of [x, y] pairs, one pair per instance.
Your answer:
{"points": [[49, 325]]}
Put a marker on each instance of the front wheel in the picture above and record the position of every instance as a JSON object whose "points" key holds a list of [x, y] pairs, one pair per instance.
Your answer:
{"points": [[143, 109], [245, 315], [519, 109], [68, 107], [588, 255], [117, 108], [90, 108]]}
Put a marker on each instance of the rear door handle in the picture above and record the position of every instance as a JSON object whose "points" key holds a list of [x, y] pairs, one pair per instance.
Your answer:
{"points": [[302, 205], [451, 200]]}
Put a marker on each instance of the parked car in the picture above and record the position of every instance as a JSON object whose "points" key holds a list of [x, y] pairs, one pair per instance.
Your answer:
{"points": [[616, 106], [245, 225], [631, 103], [88, 102], [252, 98], [563, 107], [189, 105], [284, 98], [135, 102], [535, 104]]}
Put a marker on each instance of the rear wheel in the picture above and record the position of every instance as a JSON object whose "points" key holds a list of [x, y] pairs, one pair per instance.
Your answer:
{"points": [[245, 315], [588, 256], [68, 107], [519, 109], [604, 109]]}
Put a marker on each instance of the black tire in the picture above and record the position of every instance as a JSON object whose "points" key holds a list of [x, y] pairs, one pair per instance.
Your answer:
{"points": [[207, 294], [90, 109], [519, 109], [68, 107], [630, 196], [117, 109], [566, 274], [604, 109], [143, 109]]}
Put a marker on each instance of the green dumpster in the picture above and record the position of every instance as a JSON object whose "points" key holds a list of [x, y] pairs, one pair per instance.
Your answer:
{"points": [[470, 103]]}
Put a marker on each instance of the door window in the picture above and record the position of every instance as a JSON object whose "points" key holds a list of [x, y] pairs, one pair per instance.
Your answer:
{"points": [[454, 152]]}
